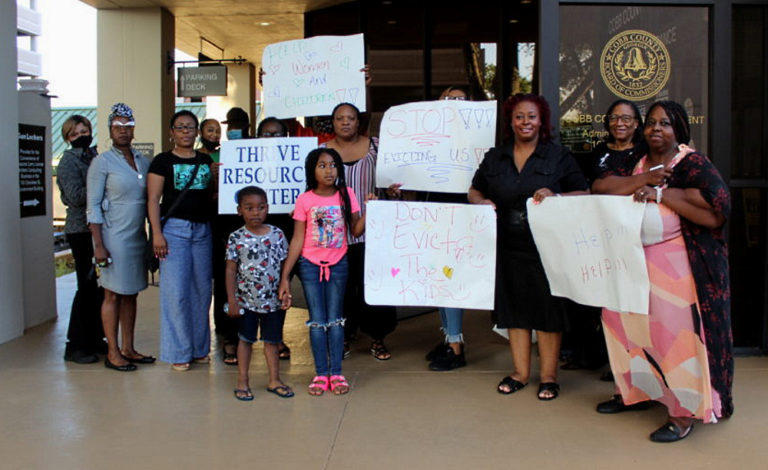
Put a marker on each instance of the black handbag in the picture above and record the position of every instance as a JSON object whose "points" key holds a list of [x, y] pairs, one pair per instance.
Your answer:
{"points": [[150, 260]]}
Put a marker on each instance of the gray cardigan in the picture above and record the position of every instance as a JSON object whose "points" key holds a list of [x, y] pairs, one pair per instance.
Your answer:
{"points": [[71, 178]]}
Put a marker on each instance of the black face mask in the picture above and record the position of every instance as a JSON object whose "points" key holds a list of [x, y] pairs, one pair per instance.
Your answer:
{"points": [[82, 142], [209, 144]]}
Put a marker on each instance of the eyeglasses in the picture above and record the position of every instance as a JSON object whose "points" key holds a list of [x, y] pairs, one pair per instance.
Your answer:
{"points": [[273, 134], [456, 98], [662, 123], [184, 128], [120, 124], [625, 118]]}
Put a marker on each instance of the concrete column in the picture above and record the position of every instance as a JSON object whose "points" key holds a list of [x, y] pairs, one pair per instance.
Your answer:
{"points": [[38, 273], [11, 287], [241, 93], [134, 46]]}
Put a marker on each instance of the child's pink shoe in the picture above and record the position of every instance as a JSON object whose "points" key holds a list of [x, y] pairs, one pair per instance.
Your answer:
{"points": [[319, 385], [339, 385]]}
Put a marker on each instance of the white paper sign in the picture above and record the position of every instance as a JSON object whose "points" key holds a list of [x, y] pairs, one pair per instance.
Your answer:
{"points": [[275, 164], [308, 77], [435, 145], [591, 250], [430, 254]]}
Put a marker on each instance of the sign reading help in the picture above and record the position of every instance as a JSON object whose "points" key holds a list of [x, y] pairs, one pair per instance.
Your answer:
{"points": [[591, 250], [435, 145], [275, 164], [430, 254], [308, 77]]}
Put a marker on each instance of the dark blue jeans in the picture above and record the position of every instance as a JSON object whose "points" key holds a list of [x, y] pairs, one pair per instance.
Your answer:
{"points": [[325, 300]]}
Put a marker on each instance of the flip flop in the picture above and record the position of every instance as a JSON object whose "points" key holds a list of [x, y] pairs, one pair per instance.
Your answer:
{"points": [[247, 395], [282, 391], [142, 359]]}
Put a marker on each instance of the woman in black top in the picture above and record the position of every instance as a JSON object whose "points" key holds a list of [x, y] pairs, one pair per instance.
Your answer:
{"points": [[530, 166], [624, 140], [182, 242]]}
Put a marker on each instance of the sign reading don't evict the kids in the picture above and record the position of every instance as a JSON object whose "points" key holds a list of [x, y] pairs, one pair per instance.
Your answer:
{"points": [[430, 254], [308, 77], [275, 164]]}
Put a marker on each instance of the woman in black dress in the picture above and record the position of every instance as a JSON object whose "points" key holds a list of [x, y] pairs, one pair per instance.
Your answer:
{"points": [[531, 165]]}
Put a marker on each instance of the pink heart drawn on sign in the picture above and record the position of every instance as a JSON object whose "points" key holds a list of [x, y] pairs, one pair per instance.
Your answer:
{"points": [[394, 271]]}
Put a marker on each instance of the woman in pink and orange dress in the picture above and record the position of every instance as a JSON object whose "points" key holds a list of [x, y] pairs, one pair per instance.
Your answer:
{"points": [[680, 354]]}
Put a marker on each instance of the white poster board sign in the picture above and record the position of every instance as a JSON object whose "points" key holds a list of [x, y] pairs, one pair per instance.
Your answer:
{"points": [[591, 250], [275, 164], [435, 145], [430, 254], [308, 77]]}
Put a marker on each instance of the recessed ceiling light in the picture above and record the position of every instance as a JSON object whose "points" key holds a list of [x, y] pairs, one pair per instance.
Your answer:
{"points": [[391, 22], [513, 20], [265, 23]]}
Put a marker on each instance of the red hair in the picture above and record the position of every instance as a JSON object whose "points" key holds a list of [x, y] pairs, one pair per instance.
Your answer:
{"points": [[545, 133]]}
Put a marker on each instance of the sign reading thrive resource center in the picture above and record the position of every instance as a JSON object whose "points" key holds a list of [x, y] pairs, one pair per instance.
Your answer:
{"points": [[430, 254], [308, 77], [591, 250], [435, 145], [276, 165]]}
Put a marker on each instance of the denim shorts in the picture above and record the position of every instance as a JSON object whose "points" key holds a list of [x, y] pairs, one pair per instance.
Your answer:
{"points": [[270, 324]]}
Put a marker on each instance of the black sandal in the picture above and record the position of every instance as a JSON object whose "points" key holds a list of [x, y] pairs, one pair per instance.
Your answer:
{"points": [[551, 387], [284, 352], [379, 351], [514, 385]]}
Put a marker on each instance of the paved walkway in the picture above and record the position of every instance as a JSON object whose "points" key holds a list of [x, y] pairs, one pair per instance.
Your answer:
{"points": [[398, 414]]}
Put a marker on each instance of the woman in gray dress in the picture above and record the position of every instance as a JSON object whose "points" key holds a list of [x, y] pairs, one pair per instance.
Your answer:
{"points": [[117, 201]]}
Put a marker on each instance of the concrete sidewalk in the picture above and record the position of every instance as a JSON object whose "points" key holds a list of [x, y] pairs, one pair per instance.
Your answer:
{"points": [[398, 414]]}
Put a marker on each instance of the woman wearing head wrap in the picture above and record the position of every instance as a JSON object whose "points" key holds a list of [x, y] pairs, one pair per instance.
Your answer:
{"points": [[116, 211]]}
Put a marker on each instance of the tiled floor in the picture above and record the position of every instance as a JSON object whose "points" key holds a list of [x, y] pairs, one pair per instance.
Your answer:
{"points": [[398, 415]]}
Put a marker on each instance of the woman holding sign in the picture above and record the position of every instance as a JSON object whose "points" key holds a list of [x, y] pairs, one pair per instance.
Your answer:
{"points": [[532, 165], [358, 154], [680, 354]]}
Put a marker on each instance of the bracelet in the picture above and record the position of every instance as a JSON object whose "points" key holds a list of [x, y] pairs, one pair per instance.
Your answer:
{"points": [[658, 194]]}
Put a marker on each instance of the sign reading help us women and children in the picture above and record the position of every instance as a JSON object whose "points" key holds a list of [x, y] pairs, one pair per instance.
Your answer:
{"points": [[435, 145], [430, 254], [591, 250], [308, 77], [276, 165]]}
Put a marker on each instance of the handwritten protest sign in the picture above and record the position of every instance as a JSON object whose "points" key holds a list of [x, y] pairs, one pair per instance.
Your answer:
{"points": [[276, 165], [308, 77], [421, 253], [591, 250], [435, 145]]}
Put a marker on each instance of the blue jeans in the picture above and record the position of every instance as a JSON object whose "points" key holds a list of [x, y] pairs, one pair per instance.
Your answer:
{"points": [[325, 300], [185, 291], [451, 320]]}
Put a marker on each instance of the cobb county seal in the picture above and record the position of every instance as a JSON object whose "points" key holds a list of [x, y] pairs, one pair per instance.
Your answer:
{"points": [[635, 65]]}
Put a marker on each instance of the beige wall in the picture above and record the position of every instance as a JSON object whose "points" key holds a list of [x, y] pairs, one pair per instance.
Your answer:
{"points": [[133, 50], [241, 92], [11, 267]]}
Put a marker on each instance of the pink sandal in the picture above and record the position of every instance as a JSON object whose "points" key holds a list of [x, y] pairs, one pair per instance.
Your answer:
{"points": [[339, 385], [318, 386]]}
